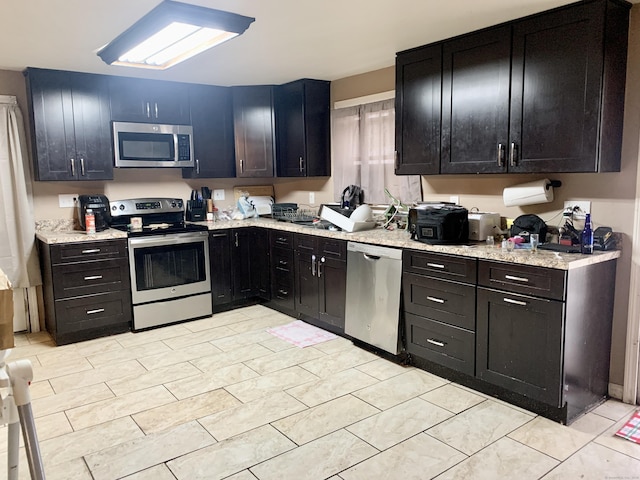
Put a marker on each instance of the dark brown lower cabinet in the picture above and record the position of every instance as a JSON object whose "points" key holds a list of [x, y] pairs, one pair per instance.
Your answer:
{"points": [[282, 271], [321, 280], [86, 289], [520, 343]]}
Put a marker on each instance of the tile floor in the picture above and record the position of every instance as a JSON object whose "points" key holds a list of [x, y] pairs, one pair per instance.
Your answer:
{"points": [[222, 398]]}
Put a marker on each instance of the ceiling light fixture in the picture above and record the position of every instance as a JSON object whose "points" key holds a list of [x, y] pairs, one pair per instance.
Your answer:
{"points": [[171, 33]]}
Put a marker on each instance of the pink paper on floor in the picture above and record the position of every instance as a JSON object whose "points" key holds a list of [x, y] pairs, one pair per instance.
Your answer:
{"points": [[301, 334], [631, 429]]}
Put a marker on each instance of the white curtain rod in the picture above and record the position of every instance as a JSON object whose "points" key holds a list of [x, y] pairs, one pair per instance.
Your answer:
{"points": [[376, 97]]}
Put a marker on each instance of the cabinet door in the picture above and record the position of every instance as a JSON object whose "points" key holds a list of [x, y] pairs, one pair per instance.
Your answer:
{"points": [[519, 344], [260, 273], [70, 125], [241, 245], [556, 90], [91, 114], [332, 280], [306, 284], [220, 259], [253, 125], [302, 129], [212, 121], [475, 102], [151, 101], [418, 108]]}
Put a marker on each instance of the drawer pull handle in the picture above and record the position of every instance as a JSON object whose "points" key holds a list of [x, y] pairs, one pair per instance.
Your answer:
{"points": [[97, 310], [92, 250], [515, 302], [516, 279], [93, 277], [283, 292], [282, 239], [435, 265], [435, 342], [283, 262], [436, 299]]}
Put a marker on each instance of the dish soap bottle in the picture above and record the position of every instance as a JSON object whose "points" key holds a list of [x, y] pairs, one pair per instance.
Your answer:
{"points": [[90, 222], [587, 236]]}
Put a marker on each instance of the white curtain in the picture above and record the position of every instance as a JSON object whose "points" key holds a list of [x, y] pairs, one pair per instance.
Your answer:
{"points": [[18, 256], [363, 151]]}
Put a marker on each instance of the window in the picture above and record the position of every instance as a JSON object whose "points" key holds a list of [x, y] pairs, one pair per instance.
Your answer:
{"points": [[363, 151]]}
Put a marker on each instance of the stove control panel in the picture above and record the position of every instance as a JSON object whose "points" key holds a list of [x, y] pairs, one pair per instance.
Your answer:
{"points": [[144, 206]]}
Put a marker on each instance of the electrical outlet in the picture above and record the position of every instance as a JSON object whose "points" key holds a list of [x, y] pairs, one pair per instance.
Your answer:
{"points": [[454, 199], [218, 194], [67, 200], [580, 208], [312, 198]]}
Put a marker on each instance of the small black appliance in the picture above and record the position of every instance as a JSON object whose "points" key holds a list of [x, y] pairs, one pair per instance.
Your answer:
{"points": [[100, 205], [439, 223]]}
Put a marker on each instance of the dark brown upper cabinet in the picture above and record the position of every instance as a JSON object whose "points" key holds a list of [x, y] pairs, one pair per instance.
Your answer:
{"points": [[149, 101], [418, 110], [70, 129], [475, 102], [542, 94], [302, 129], [567, 89], [254, 130], [213, 142]]}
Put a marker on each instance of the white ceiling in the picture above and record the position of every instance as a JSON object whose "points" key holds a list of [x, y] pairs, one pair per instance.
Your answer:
{"points": [[290, 39]]}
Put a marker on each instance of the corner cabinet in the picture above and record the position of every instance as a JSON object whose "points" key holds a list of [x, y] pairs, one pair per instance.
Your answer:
{"points": [[70, 130], [254, 130], [302, 129], [213, 142], [149, 101], [542, 94]]}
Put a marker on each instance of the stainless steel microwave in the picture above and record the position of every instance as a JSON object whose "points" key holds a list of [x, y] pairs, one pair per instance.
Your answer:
{"points": [[152, 145]]}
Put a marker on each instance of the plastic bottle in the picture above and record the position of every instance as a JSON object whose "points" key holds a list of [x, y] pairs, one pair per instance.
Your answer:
{"points": [[90, 222], [587, 236]]}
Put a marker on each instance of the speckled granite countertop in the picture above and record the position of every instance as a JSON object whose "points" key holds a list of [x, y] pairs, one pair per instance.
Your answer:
{"points": [[52, 232]]}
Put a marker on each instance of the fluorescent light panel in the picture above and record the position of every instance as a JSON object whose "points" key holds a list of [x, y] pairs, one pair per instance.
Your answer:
{"points": [[172, 33]]}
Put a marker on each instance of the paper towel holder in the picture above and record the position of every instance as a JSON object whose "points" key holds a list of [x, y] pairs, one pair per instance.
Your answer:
{"points": [[540, 191]]}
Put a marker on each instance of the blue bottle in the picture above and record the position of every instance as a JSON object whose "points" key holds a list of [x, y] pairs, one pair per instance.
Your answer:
{"points": [[587, 236]]}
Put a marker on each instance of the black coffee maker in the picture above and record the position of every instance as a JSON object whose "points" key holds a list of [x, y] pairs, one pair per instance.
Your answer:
{"points": [[100, 205]]}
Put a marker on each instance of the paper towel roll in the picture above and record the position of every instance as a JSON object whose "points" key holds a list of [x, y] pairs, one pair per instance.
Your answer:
{"points": [[530, 193]]}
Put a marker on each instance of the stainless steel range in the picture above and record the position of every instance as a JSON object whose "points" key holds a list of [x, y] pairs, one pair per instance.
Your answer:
{"points": [[168, 261]]}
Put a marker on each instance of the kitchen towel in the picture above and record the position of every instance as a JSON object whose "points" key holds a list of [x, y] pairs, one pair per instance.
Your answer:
{"points": [[631, 429], [301, 334]]}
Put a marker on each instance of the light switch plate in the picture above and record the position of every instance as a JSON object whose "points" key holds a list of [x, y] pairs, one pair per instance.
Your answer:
{"points": [[454, 199], [312, 198], [218, 194], [67, 200]]}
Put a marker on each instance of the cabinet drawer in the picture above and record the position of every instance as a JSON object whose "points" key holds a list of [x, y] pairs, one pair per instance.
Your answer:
{"points": [[448, 267], [448, 302], [79, 252], [281, 239], [92, 312], [525, 279], [86, 278], [281, 261], [446, 345], [334, 248]]}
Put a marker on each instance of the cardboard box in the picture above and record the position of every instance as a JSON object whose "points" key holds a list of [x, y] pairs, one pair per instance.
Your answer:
{"points": [[6, 313]]}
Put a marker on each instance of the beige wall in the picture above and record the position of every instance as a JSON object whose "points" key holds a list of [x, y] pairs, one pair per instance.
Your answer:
{"points": [[613, 195]]}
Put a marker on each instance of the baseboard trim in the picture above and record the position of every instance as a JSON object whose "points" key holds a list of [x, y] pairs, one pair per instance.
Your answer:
{"points": [[615, 391]]}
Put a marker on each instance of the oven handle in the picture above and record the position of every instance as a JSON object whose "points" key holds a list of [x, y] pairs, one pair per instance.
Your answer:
{"points": [[168, 239]]}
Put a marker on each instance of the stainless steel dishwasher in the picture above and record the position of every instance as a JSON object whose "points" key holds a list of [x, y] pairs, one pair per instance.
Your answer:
{"points": [[372, 312]]}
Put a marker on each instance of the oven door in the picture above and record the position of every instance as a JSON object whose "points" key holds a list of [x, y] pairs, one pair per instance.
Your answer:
{"points": [[166, 267]]}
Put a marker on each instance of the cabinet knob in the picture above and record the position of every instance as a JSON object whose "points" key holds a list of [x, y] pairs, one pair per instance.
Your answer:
{"points": [[313, 265], [513, 161], [97, 310], [237, 243], [73, 167], [93, 277], [515, 302], [516, 279], [197, 166], [301, 165], [241, 165], [82, 172], [437, 343], [500, 155], [436, 299]]}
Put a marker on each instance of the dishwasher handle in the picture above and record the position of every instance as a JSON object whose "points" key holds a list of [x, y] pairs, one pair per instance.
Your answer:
{"points": [[371, 257]]}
